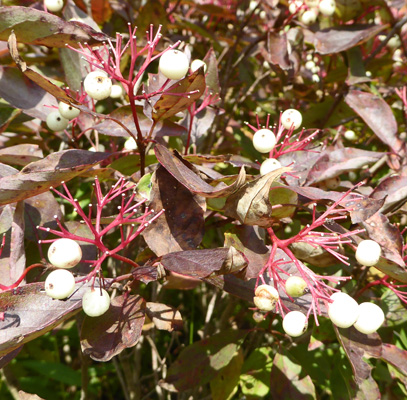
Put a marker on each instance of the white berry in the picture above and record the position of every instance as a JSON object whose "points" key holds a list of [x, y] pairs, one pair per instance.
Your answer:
{"points": [[64, 253], [295, 323], [56, 122], [98, 85], [130, 144], [173, 64], [269, 165], [59, 284], [196, 64], [264, 140], [350, 135], [266, 297], [67, 111], [344, 310], [54, 5], [95, 302], [327, 7], [291, 117], [117, 92], [371, 318], [368, 252], [295, 286], [294, 6], [309, 17]]}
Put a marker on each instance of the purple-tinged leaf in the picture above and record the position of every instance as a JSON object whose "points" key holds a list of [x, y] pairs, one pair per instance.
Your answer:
{"points": [[29, 313], [176, 99], [358, 346], [340, 38], [277, 50], [119, 328], [250, 203], [211, 74], [164, 317], [287, 379], [378, 116], [32, 26], [21, 154], [40, 80], [125, 116], [39, 176], [395, 356], [24, 94], [182, 171], [203, 263], [182, 224], [4, 360], [334, 162], [393, 190], [209, 357]]}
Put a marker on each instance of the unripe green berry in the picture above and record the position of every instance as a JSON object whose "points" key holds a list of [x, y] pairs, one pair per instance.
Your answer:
{"points": [[67, 111], [56, 122], [295, 286]]}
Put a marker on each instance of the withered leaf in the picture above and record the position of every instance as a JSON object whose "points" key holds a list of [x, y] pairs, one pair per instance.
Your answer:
{"points": [[119, 328], [277, 50], [250, 204], [395, 356], [164, 317], [181, 226], [393, 191], [178, 168]]}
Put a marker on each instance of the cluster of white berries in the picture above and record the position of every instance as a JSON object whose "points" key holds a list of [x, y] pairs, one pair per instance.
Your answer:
{"points": [[264, 139], [344, 312], [64, 254], [58, 120], [309, 9]]}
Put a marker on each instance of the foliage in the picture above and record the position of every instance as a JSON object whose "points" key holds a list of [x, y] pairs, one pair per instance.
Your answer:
{"points": [[161, 188]]}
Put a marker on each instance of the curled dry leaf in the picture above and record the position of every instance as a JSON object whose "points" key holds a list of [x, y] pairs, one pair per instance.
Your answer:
{"points": [[278, 52], [250, 204], [164, 317], [119, 328]]}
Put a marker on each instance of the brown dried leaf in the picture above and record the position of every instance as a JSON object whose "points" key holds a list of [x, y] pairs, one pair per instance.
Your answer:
{"points": [[395, 356], [119, 328], [181, 226], [164, 317], [393, 190], [277, 50]]}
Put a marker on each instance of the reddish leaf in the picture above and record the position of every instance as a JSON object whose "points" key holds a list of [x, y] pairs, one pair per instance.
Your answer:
{"points": [[164, 317], [208, 355], [334, 162], [182, 171], [378, 116], [119, 328], [4, 360], [21, 154], [32, 26], [181, 225], [277, 50], [287, 379], [23, 93], [40, 80], [358, 346], [395, 356], [39, 176], [29, 313], [341, 38], [175, 98], [393, 190]]}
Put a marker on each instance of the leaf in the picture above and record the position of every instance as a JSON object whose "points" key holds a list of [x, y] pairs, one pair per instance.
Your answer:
{"points": [[277, 50], [29, 313], [181, 226], [21, 154], [164, 317], [4, 360], [209, 357], [32, 26], [390, 239], [125, 116], [41, 81], [287, 379], [175, 98], [340, 38], [182, 171], [334, 162], [211, 74], [250, 204], [378, 116], [203, 263], [39, 176], [119, 328], [358, 346], [24, 94], [393, 190], [395, 356]]}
